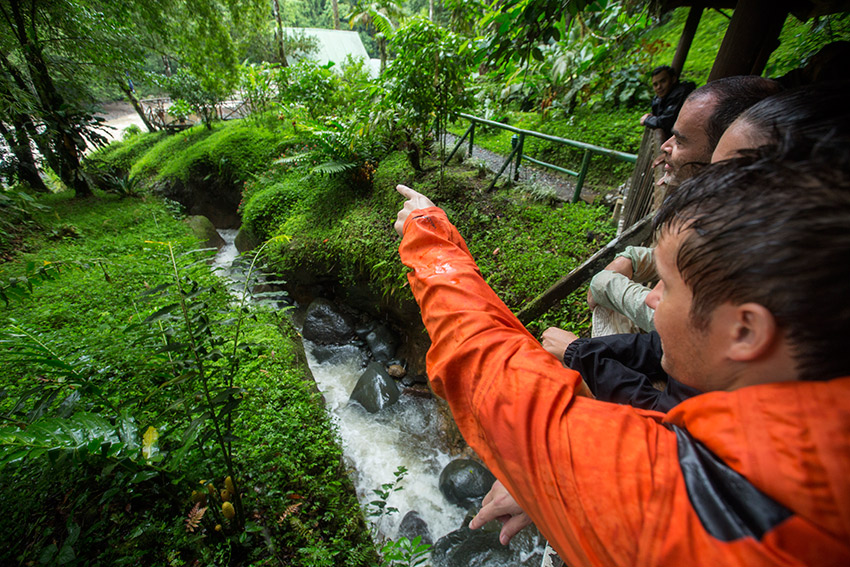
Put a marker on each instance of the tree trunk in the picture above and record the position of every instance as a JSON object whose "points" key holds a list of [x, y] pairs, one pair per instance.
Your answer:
{"points": [[431, 10], [687, 37], [278, 34], [26, 167], [382, 50], [131, 96], [335, 5], [167, 63], [52, 104]]}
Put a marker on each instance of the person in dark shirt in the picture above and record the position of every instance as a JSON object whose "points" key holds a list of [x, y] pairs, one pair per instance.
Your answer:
{"points": [[669, 97]]}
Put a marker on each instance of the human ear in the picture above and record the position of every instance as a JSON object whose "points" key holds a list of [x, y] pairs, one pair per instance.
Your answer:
{"points": [[753, 332]]}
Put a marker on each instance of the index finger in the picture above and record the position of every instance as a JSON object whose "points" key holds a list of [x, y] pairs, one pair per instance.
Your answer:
{"points": [[406, 191]]}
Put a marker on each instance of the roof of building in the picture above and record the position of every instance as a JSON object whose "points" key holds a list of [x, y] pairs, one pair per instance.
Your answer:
{"points": [[333, 45]]}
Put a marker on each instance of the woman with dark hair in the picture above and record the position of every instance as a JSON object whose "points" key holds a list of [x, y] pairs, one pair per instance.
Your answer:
{"points": [[800, 121]]}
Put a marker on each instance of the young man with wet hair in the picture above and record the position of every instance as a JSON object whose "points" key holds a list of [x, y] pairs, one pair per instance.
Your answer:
{"points": [[622, 368], [669, 97], [751, 308], [706, 114]]}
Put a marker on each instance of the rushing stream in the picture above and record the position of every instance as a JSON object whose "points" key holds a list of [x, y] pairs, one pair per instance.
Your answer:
{"points": [[375, 445]]}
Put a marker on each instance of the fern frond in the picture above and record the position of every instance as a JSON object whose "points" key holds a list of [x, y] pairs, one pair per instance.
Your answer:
{"points": [[289, 511], [81, 435], [195, 516], [331, 168]]}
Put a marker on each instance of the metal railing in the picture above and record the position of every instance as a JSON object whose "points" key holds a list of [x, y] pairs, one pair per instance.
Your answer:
{"points": [[517, 147]]}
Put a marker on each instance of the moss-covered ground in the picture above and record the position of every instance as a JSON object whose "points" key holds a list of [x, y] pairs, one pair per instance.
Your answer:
{"points": [[85, 507]]}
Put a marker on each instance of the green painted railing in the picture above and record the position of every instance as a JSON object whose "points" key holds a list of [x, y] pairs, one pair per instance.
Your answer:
{"points": [[518, 141]]}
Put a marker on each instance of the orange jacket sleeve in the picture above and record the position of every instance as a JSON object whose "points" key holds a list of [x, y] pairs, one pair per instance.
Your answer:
{"points": [[517, 407], [604, 483]]}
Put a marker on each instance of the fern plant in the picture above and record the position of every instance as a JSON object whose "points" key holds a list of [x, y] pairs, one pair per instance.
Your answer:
{"points": [[343, 150], [44, 420]]}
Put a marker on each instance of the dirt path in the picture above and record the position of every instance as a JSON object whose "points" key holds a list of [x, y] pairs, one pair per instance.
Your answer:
{"points": [[120, 115]]}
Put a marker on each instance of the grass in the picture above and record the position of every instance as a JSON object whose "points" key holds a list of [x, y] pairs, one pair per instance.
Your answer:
{"points": [[522, 245], [302, 509]]}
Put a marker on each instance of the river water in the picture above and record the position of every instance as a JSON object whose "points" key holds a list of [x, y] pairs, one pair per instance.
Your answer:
{"points": [[375, 445]]}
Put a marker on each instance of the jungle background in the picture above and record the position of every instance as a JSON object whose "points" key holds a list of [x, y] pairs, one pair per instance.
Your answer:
{"points": [[148, 417]]}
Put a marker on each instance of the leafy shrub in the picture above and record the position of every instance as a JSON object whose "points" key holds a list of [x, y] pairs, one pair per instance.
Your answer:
{"points": [[309, 84], [131, 131], [190, 92], [269, 208]]}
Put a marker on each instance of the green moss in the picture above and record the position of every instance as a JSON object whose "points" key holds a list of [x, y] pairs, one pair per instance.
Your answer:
{"points": [[234, 150], [149, 165], [270, 207], [121, 155]]}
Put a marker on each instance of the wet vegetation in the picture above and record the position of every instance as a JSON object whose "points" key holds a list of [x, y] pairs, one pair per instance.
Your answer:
{"points": [[150, 417]]}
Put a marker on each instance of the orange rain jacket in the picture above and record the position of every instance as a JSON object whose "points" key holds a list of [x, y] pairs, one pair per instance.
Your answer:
{"points": [[758, 476]]}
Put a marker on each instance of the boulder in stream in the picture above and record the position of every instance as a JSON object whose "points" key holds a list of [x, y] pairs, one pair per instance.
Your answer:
{"points": [[375, 390], [471, 548], [246, 240], [382, 342], [205, 231], [413, 525], [482, 548], [326, 324], [465, 482]]}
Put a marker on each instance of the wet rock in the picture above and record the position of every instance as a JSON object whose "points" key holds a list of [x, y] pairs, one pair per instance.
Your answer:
{"points": [[364, 329], [382, 342], [246, 240], [471, 548], [375, 389], [326, 324], [324, 353], [465, 482], [396, 371], [413, 525], [204, 231]]}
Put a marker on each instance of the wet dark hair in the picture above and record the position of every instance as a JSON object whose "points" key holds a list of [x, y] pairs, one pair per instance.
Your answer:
{"points": [[803, 117], [661, 68], [775, 232], [732, 96]]}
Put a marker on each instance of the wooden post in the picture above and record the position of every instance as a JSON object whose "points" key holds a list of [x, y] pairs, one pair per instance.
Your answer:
{"points": [[639, 233], [687, 37], [752, 32]]}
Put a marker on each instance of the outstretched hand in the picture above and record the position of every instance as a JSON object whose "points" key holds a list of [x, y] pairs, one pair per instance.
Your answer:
{"points": [[500, 505], [414, 201]]}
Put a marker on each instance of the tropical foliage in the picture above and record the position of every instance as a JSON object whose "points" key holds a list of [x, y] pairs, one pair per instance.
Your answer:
{"points": [[148, 416]]}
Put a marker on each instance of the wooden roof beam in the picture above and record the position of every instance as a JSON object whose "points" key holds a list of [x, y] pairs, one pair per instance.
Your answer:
{"points": [[752, 36]]}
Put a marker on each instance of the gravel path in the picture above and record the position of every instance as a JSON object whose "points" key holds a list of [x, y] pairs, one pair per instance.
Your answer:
{"points": [[563, 185]]}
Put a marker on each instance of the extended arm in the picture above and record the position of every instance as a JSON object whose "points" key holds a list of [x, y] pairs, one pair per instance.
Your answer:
{"points": [[570, 462]]}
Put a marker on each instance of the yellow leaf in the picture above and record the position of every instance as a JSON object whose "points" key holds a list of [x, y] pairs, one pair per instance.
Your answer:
{"points": [[148, 441]]}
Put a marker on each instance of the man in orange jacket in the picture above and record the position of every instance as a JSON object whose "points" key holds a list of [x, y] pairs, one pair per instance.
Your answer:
{"points": [[751, 308]]}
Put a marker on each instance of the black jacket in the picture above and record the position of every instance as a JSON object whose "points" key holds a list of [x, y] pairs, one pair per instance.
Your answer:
{"points": [[622, 368], [665, 110]]}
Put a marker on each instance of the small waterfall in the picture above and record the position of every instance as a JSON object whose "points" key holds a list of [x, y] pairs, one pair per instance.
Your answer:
{"points": [[375, 445]]}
